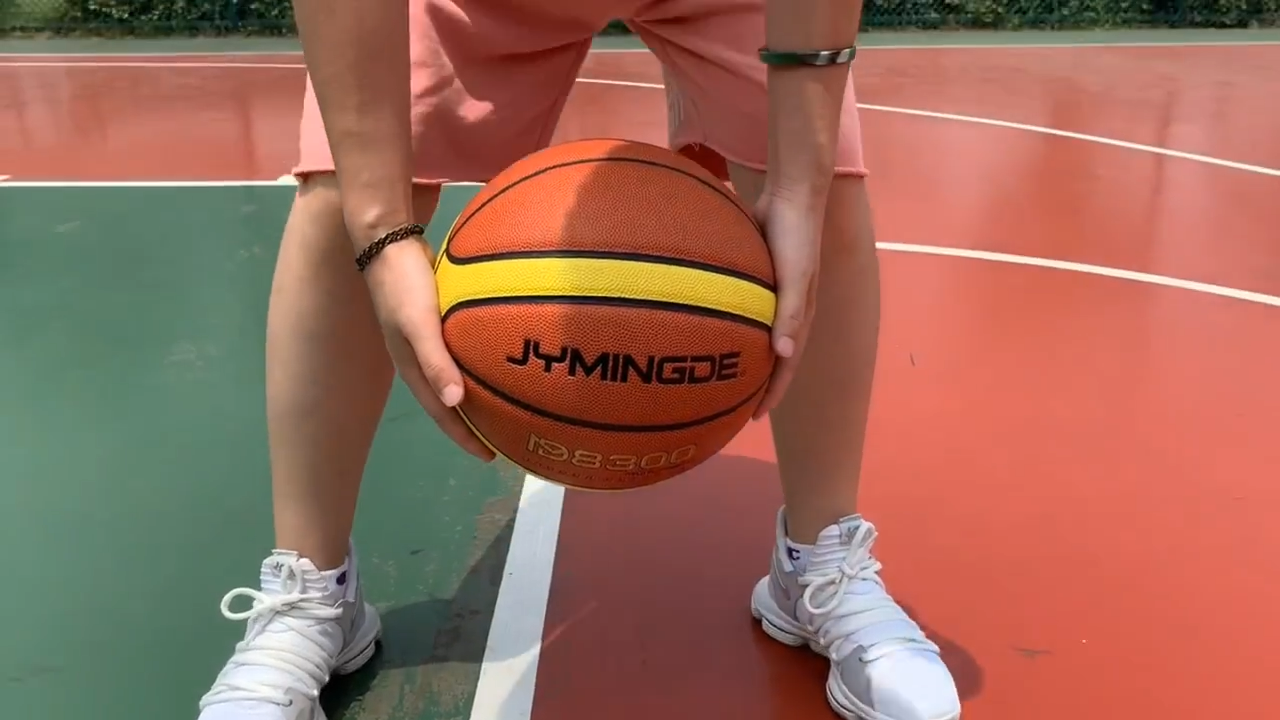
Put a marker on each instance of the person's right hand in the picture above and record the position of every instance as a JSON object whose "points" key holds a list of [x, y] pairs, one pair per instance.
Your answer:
{"points": [[403, 287]]}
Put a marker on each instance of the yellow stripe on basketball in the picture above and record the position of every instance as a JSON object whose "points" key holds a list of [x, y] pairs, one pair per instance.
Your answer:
{"points": [[602, 277]]}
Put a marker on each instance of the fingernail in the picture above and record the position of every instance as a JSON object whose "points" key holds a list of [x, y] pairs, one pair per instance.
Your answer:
{"points": [[451, 395], [786, 346]]}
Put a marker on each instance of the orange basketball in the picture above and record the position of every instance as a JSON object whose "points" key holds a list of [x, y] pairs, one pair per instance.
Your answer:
{"points": [[609, 304]]}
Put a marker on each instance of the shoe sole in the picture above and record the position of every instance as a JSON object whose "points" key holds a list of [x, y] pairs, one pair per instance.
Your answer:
{"points": [[790, 633]]}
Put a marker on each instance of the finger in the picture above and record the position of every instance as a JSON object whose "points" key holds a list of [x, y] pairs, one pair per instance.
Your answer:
{"points": [[792, 315], [409, 365], [788, 342], [442, 374], [426, 340]]}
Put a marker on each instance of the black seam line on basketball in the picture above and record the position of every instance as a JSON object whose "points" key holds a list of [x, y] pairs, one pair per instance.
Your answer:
{"points": [[719, 190], [606, 302], [624, 256], [607, 427]]}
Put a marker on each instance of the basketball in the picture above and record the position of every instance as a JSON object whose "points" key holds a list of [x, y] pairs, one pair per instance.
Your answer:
{"points": [[609, 304]]}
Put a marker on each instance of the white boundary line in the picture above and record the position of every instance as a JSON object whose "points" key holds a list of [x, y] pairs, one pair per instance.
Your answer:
{"points": [[1102, 43], [1085, 268], [140, 64], [1194, 157], [991, 122], [1010, 258], [284, 181], [509, 671], [1070, 45], [91, 59], [184, 54], [142, 184]]}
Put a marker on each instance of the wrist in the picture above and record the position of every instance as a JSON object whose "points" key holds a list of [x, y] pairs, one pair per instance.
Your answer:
{"points": [[392, 262], [375, 214], [407, 231]]}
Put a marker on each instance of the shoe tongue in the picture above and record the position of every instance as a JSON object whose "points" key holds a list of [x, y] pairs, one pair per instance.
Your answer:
{"points": [[286, 573], [843, 531], [832, 548]]}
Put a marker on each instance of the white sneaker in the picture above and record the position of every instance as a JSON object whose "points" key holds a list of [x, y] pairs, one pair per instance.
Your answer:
{"points": [[303, 626], [882, 665]]}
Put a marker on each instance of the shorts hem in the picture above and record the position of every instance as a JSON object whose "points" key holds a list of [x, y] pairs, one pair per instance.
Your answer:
{"points": [[302, 173], [710, 157], [716, 161]]}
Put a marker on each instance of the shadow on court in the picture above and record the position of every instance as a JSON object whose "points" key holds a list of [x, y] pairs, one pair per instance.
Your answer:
{"points": [[431, 650]]}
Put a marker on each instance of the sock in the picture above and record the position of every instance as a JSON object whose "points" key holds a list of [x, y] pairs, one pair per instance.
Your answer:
{"points": [[799, 555], [337, 583], [337, 578]]}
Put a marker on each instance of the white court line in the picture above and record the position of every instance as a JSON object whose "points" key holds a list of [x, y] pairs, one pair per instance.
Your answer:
{"points": [[1070, 46], [1100, 270], [90, 59], [1085, 268], [509, 671], [1194, 157], [155, 54], [284, 181], [863, 48], [991, 122], [198, 65], [143, 184]]}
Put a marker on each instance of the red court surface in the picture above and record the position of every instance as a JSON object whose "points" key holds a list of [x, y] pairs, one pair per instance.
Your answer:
{"points": [[1072, 458]]}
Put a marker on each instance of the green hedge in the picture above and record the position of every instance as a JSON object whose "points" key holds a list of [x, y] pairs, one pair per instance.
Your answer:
{"points": [[149, 17], [275, 17]]}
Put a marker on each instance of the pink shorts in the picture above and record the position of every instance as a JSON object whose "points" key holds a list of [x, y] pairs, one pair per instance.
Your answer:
{"points": [[490, 78]]}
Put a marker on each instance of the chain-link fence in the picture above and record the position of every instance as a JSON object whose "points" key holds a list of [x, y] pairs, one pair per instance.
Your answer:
{"points": [[275, 17]]}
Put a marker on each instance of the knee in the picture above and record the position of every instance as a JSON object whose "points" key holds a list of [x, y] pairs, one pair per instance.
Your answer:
{"points": [[318, 197], [847, 227]]}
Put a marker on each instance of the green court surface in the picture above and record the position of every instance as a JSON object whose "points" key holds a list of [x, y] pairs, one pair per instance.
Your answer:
{"points": [[134, 460]]}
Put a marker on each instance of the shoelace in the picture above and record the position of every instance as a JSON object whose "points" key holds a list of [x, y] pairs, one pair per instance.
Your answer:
{"points": [[294, 646], [843, 618]]}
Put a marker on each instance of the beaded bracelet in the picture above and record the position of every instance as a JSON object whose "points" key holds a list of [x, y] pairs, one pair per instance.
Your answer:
{"points": [[403, 232]]}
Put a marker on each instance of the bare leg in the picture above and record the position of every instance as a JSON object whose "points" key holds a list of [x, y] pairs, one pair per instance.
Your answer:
{"points": [[328, 375], [820, 426], [882, 665]]}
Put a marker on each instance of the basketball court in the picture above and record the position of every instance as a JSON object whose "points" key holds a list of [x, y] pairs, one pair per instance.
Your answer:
{"points": [[1072, 458]]}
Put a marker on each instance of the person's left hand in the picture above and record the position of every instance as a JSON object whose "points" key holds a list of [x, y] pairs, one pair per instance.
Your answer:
{"points": [[792, 224]]}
